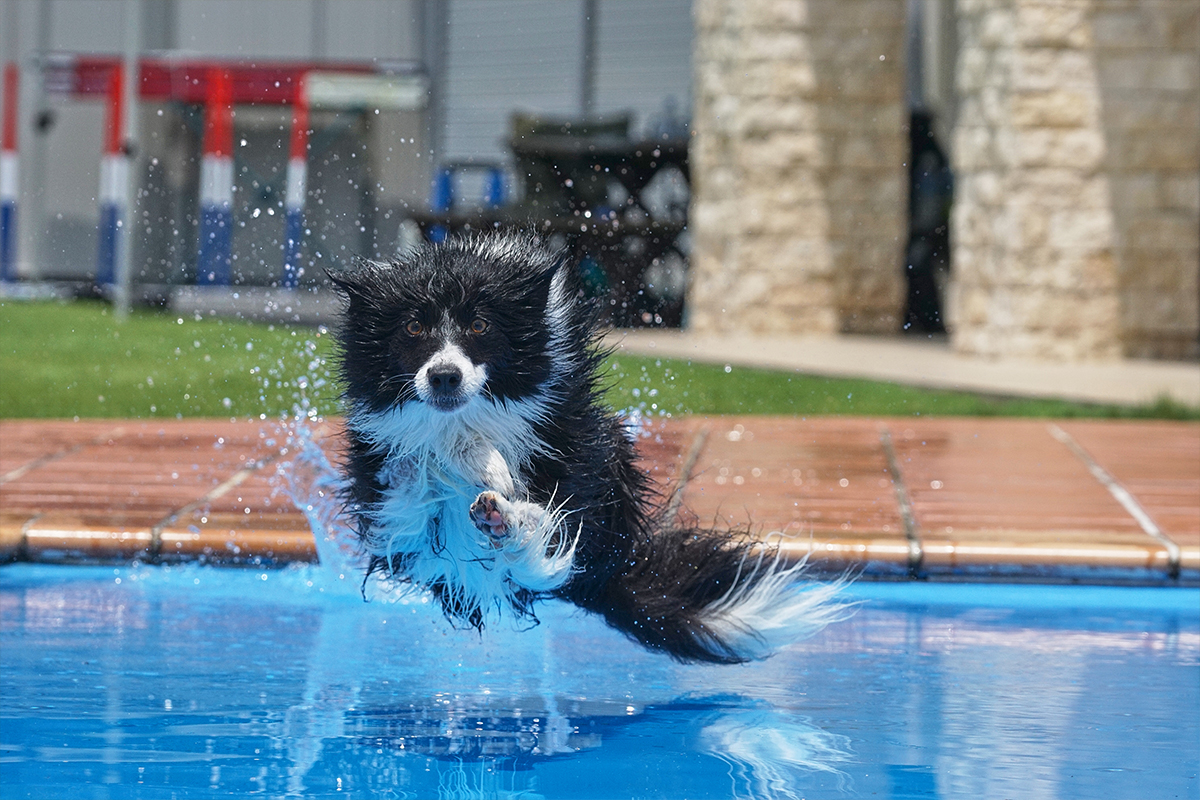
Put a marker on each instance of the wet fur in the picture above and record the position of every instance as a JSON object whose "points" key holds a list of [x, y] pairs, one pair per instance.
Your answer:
{"points": [[532, 444]]}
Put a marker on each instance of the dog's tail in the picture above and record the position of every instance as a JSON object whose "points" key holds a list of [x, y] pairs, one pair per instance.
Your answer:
{"points": [[717, 597]]}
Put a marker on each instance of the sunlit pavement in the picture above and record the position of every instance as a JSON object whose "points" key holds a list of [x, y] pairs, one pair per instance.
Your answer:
{"points": [[1092, 501], [925, 361]]}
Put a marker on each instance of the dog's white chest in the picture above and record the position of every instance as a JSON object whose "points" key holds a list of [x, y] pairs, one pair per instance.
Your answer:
{"points": [[436, 467]]}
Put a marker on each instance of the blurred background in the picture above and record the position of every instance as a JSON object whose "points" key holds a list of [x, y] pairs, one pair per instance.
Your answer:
{"points": [[1021, 176]]}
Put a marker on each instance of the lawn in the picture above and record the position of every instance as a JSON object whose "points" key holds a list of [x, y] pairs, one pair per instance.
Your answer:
{"points": [[75, 360]]}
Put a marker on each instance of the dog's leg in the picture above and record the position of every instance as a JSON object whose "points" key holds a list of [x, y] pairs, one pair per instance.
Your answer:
{"points": [[484, 466], [534, 542]]}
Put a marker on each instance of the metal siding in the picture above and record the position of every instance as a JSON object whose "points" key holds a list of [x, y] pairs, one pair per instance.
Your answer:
{"points": [[525, 55], [645, 57], [503, 57]]}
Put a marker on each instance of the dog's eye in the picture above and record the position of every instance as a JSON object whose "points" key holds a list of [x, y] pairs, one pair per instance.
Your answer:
{"points": [[478, 325], [414, 328]]}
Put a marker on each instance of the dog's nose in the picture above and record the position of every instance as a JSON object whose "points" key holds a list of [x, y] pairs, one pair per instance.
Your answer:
{"points": [[444, 380]]}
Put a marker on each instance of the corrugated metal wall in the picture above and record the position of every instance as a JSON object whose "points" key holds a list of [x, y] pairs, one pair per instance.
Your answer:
{"points": [[527, 55]]}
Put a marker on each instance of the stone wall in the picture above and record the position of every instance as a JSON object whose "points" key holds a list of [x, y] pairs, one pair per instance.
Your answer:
{"points": [[1077, 153], [799, 185]]}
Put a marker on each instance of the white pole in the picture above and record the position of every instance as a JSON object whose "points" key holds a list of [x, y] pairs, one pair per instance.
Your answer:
{"points": [[128, 223], [34, 209]]}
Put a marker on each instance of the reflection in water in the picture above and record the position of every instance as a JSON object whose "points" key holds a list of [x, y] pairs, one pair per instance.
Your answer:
{"points": [[766, 747]]}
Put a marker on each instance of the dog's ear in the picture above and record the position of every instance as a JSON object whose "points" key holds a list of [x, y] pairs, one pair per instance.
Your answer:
{"points": [[352, 280]]}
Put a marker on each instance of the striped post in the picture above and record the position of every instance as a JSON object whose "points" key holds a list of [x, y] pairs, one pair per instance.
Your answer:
{"points": [[114, 169], [297, 184], [216, 184], [8, 176]]}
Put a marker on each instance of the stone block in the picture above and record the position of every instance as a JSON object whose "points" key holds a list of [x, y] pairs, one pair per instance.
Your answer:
{"points": [[861, 117], [1179, 22], [1061, 187], [1046, 69], [1081, 229], [1180, 190], [1160, 231], [778, 79], [1076, 148], [1135, 190], [784, 150], [778, 44], [1148, 310], [1124, 29], [1148, 71], [1171, 149], [979, 67], [856, 14], [764, 215], [1147, 112], [994, 26], [866, 152], [1056, 23], [1170, 272], [975, 148], [761, 116], [1053, 108], [774, 13], [853, 188]]}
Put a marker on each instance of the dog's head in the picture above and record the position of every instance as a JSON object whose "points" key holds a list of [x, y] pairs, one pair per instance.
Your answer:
{"points": [[472, 319]]}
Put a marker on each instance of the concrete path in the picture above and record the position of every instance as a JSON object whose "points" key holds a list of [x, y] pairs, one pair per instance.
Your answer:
{"points": [[924, 362], [977, 499]]}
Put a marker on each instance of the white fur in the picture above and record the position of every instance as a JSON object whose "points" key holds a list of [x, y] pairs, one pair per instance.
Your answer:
{"points": [[437, 464], [777, 610], [451, 355]]}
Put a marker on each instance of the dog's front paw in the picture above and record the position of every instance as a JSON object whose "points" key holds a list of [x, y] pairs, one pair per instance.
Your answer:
{"points": [[488, 514]]}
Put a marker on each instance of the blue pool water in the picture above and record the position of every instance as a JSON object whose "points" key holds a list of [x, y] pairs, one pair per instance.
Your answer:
{"points": [[190, 682]]}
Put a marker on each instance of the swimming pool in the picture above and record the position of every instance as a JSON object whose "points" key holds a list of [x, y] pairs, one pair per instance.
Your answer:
{"points": [[189, 682]]}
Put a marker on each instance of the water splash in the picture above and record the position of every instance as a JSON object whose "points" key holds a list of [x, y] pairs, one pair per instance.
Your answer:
{"points": [[316, 487]]}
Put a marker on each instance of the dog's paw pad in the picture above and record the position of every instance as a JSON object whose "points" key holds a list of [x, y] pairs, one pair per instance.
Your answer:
{"points": [[488, 515]]}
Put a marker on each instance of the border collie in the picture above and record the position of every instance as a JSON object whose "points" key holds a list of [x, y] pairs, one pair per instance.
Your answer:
{"points": [[483, 466]]}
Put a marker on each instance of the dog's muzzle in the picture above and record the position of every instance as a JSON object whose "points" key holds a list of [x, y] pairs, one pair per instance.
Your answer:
{"points": [[450, 379], [445, 386]]}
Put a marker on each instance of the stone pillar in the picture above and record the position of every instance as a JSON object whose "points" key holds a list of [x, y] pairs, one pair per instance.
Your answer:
{"points": [[1076, 228], [799, 199]]}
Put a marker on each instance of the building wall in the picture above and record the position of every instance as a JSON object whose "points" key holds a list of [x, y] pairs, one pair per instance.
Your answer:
{"points": [[1077, 153], [798, 210], [525, 55]]}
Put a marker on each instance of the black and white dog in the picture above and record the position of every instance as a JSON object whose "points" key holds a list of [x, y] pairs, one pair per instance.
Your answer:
{"points": [[483, 466]]}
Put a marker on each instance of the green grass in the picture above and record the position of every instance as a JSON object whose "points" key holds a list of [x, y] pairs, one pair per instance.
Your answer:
{"points": [[75, 360]]}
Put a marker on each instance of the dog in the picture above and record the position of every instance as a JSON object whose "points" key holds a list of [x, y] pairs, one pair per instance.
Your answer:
{"points": [[483, 466]]}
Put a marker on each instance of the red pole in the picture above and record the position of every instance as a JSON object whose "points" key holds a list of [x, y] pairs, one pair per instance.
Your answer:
{"points": [[218, 115], [11, 88]]}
